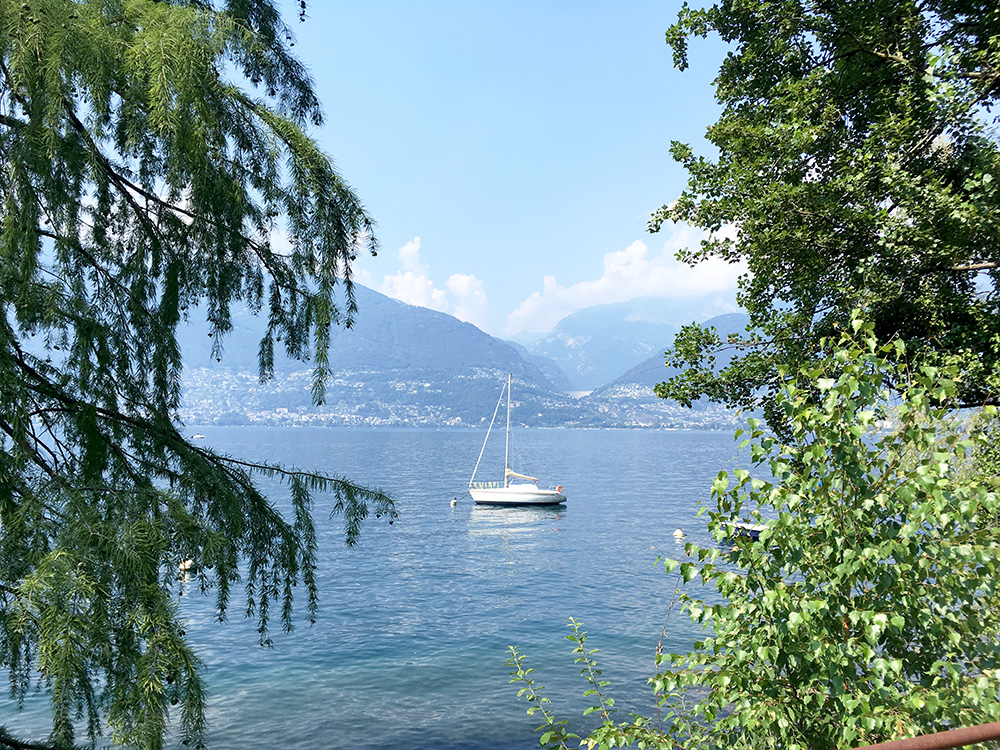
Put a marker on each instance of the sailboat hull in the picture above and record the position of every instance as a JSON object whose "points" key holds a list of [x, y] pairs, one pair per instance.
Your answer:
{"points": [[516, 494], [525, 492]]}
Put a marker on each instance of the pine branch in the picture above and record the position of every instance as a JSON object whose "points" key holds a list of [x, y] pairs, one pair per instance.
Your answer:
{"points": [[14, 744]]}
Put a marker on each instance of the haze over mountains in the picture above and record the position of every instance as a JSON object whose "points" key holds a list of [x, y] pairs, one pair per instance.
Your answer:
{"points": [[597, 344], [406, 365]]}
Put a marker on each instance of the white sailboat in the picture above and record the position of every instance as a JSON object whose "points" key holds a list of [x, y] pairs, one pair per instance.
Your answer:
{"points": [[509, 491]]}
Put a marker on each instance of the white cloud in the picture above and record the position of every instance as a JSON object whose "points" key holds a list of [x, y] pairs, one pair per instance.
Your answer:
{"points": [[409, 257], [364, 277], [411, 284], [408, 287], [470, 299], [463, 295], [628, 274], [625, 274]]}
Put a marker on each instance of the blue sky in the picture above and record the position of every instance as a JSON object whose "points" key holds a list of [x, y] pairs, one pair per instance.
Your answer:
{"points": [[511, 152]]}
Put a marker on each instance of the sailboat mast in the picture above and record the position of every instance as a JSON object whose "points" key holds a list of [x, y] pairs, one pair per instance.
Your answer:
{"points": [[506, 447]]}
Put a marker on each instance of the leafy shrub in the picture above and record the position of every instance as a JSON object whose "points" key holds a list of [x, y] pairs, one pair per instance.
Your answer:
{"points": [[867, 610]]}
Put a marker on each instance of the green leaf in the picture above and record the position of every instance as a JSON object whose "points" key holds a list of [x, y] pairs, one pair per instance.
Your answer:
{"points": [[688, 571]]}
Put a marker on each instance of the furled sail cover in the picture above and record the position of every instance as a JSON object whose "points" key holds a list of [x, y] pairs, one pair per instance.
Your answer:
{"points": [[515, 475]]}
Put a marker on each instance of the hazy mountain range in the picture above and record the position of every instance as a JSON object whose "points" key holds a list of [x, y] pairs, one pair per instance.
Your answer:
{"points": [[406, 365], [595, 345]]}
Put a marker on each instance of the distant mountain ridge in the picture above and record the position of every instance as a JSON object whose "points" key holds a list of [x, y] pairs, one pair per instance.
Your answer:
{"points": [[630, 399], [398, 365], [595, 345], [387, 335], [654, 370]]}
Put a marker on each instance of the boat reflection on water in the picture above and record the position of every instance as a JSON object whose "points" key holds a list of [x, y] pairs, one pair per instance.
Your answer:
{"points": [[526, 516], [520, 537], [523, 523]]}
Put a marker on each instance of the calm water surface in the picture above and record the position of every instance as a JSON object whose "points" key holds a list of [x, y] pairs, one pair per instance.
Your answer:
{"points": [[414, 625]]}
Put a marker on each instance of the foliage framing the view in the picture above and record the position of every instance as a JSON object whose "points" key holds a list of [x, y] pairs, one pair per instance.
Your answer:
{"points": [[148, 153], [857, 163], [868, 609]]}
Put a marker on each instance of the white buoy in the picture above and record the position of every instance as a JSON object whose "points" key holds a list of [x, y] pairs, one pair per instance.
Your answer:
{"points": [[454, 502], [679, 533]]}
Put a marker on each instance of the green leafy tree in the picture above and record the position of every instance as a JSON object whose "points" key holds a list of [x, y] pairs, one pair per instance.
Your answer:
{"points": [[148, 153], [857, 164], [868, 608]]}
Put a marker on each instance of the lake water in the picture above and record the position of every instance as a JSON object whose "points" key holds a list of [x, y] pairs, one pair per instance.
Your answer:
{"points": [[414, 623]]}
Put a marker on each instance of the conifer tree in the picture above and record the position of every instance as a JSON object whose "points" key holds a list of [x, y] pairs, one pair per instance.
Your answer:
{"points": [[148, 153]]}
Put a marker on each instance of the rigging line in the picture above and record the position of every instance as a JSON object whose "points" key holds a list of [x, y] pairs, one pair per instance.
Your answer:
{"points": [[483, 449], [506, 445]]}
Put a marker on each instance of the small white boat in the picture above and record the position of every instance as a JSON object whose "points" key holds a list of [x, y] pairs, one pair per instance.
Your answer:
{"points": [[745, 528], [510, 491]]}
